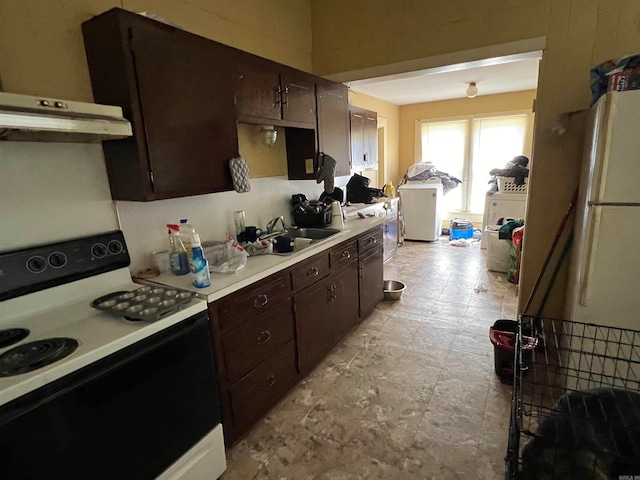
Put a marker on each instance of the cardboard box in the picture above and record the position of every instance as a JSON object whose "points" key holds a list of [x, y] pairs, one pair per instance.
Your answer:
{"points": [[624, 80]]}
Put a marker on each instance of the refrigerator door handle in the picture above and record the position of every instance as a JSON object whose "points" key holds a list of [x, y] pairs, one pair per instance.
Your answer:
{"points": [[586, 267]]}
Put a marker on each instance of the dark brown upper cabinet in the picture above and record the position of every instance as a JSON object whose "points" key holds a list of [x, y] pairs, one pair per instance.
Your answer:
{"points": [[171, 86], [269, 93], [364, 139], [185, 94], [333, 124], [331, 136]]}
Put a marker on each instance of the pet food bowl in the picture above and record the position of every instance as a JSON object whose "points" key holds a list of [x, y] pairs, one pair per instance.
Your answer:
{"points": [[393, 289]]}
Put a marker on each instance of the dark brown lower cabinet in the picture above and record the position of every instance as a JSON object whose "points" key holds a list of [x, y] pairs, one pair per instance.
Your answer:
{"points": [[268, 334], [370, 260], [324, 313], [260, 389]]}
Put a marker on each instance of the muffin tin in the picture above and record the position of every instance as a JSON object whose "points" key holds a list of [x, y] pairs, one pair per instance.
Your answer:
{"points": [[143, 304]]}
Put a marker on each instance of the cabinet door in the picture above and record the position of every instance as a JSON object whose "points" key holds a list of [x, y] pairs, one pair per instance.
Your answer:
{"points": [[357, 139], [314, 323], [257, 89], [298, 98], [324, 313], [370, 140], [345, 288], [371, 280], [333, 124], [187, 112], [261, 388]]}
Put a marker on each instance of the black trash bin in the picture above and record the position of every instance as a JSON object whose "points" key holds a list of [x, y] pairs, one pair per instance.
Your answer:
{"points": [[503, 336]]}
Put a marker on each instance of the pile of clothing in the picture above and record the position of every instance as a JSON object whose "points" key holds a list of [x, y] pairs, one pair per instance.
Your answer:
{"points": [[516, 168], [425, 170]]}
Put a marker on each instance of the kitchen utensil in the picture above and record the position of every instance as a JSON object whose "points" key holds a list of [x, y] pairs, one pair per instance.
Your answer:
{"points": [[282, 244], [393, 289], [145, 303], [252, 233]]}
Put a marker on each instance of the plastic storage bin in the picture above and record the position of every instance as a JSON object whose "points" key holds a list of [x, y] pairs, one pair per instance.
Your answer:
{"points": [[497, 250], [503, 336], [460, 228]]}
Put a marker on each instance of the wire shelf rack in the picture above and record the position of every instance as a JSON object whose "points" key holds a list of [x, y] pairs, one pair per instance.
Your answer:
{"points": [[576, 402]]}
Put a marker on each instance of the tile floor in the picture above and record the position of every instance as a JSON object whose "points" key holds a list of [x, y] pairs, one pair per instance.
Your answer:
{"points": [[409, 394]]}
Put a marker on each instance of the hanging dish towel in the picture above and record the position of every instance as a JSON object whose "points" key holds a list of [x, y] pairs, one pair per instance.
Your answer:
{"points": [[240, 174], [327, 172]]}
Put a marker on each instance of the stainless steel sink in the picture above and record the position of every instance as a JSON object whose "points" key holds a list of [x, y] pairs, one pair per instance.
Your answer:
{"points": [[313, 233]]}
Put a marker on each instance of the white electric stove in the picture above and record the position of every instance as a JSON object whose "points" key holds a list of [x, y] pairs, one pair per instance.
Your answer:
{"points": [[84, 387]]}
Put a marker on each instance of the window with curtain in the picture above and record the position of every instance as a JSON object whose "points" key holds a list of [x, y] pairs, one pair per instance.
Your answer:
{"points": [[468, 149]]}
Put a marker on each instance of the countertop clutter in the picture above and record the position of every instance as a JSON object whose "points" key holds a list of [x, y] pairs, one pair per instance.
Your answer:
{"points": [[262, 266]]}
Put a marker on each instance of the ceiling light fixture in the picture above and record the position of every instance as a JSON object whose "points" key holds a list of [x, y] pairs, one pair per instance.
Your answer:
{"points": [[472, 90], [268, 135]]}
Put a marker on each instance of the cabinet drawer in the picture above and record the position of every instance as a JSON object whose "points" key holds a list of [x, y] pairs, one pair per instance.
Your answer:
{"points": [[247, 346], [370, 240], [342, 255], [262, 388], [253, 300], [310, 271]]}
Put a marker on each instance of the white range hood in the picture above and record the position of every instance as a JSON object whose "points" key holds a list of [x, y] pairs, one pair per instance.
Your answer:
{"points": [[40, 119]]}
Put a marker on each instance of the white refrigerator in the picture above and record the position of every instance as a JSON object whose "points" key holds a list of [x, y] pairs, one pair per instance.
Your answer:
{"points": [[604, 273], [421, 204]]}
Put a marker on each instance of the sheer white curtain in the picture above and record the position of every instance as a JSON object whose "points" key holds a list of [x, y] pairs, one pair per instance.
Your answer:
{"points": [[445, 145], [495, 141], [468, 149]]}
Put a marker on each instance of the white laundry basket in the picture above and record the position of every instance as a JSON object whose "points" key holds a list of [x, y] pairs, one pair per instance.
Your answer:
{"points": [[508, 185], [497, 250]]}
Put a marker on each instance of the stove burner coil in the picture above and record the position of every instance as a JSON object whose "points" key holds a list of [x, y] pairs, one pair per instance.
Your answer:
{"points": [[33, 355], [12, 335]]}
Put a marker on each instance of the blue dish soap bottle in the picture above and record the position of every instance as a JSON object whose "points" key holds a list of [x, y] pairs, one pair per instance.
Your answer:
{"points": [[199, 266]]}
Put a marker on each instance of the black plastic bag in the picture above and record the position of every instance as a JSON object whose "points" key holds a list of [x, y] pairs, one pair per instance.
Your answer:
{"points": [[358, 190]]}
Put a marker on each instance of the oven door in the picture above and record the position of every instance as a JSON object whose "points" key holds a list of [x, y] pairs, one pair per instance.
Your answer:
{"points": [[128, 416]]}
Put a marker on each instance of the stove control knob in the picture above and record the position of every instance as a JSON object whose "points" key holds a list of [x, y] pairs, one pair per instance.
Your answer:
{"points": [[57, 259], [115, 247], [99, 250], [36, 264]]}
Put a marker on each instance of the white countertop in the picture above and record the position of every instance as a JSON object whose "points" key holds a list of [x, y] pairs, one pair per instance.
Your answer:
{"points": [[262, 266]]}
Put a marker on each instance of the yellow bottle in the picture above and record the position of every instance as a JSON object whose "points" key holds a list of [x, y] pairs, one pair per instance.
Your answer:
{"points": [[389, 190]]}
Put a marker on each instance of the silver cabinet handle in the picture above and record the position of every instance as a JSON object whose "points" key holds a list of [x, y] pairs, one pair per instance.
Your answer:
{"points": [[264, 337], [346, 254], [313, 272], [261, 300], [277, 92], [270, 381]]}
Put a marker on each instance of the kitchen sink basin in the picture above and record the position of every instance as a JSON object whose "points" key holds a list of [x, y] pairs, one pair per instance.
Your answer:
{"points": [[313, 233]]}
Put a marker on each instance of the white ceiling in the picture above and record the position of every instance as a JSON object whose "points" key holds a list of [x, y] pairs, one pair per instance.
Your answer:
{"points": [[444, 83]]}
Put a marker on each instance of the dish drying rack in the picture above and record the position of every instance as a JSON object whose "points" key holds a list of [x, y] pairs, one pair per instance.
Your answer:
{"points": [[575, 410]]}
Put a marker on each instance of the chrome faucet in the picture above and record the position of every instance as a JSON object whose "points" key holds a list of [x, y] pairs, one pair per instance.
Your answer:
{"points": [[271, 226]]}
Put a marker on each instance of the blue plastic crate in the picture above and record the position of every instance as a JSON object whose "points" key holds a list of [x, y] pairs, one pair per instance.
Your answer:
{"points": [[456, 233]]}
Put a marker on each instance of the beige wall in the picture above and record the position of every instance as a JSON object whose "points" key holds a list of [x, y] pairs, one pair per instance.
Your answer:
{"points": [[42, 53], [391, 113], [579, 34]]}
